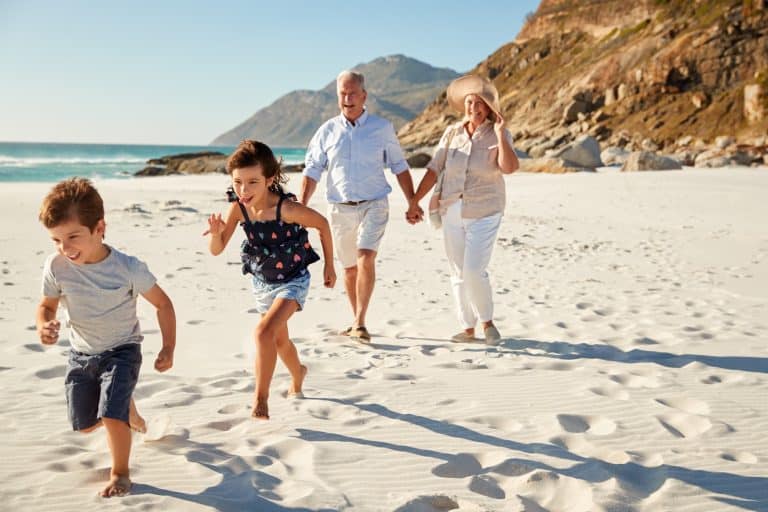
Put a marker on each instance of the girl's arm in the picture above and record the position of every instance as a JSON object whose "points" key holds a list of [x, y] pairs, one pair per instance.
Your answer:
{"points": [[45, 318], [307, 217], [166, 318], [220, 230]]}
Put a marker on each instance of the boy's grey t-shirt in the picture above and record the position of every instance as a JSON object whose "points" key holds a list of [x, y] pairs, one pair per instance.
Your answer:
{"points": [[99, 298]]}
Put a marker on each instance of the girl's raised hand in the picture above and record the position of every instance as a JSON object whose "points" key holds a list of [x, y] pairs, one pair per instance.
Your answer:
{"points": [[215, 225]]}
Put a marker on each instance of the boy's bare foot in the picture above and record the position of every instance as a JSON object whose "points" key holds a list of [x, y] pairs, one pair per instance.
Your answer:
{"points": [[260, 410], [295, 390], [135, 421], [119, 485]]}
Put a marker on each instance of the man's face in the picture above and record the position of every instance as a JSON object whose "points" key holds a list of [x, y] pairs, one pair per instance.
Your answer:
{"points": [[351, 98]]}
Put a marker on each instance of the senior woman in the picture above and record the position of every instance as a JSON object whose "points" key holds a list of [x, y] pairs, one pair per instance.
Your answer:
{"points": [[469, 163]]}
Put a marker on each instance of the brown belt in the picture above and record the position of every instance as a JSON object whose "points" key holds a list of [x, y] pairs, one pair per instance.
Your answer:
{"points": [[354, 203]]}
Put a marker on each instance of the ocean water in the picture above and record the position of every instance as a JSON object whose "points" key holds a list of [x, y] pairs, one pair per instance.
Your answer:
{"points": [[44, 161]]}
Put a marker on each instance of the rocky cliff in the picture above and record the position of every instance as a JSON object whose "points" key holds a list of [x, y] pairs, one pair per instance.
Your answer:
{"points": [[633, 74], [398, 88]]}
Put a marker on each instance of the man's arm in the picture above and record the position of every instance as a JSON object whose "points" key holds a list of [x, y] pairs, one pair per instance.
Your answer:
{"points": [[414, 213], [308, 186]]}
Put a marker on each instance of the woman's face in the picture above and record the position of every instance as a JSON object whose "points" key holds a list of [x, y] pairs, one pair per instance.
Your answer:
{"points": [[476, 109]]}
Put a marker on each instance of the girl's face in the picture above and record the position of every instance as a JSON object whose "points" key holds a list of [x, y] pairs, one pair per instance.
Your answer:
{"points": [[476, 109], [250, 185]]}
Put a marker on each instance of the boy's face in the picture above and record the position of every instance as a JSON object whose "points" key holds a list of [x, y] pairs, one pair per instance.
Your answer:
{"points": [[79, 244], [250, 185]]}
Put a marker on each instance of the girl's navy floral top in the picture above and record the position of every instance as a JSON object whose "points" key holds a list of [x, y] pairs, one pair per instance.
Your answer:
{"points": [[274, 250]]}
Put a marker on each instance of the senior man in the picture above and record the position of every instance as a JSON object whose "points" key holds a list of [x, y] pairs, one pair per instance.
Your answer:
{"points": [[354, 148]]}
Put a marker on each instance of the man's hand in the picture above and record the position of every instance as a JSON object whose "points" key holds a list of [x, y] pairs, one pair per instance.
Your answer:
{"points": [[415, 214], [164, 360], [49, 332]]}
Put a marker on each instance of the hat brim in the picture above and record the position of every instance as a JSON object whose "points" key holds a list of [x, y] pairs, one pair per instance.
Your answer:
{"points": [[473, 84]]}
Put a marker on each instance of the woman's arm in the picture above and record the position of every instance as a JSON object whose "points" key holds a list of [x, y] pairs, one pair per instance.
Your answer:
{"points": [[507, 159]]}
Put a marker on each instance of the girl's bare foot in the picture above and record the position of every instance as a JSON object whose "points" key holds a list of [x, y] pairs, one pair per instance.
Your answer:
{"points": [[295, 390], [135, 421], [119, 485], [260, 410]]}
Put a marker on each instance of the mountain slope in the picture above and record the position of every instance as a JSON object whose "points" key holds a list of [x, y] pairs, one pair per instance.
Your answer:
{"points": [[626, 72], [398, 88]]}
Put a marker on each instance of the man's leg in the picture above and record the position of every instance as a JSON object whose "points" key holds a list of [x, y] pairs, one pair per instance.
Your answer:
{"points": [[366, 278], [350, 285]]}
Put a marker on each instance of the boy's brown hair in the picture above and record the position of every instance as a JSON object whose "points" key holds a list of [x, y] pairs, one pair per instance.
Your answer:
{"points": [[75, 198], [253, 152]]}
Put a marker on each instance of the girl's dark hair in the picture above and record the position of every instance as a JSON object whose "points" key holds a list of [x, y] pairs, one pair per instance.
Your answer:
{"points": [[253, 152]]}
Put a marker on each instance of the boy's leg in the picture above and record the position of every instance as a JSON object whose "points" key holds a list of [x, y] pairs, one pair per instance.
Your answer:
{"points": [[266, 351], [119, 441], [135, 421], [120, 371], [290, 358]]}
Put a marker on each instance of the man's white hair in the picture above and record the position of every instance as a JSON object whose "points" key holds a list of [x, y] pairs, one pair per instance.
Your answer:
{"points": [[353, 75]]}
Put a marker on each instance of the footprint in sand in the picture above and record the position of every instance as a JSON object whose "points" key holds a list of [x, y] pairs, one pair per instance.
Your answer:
{"points": [[613, 391], [487, 486], [597, 425], [680, 424], [461, 465], [743, 457], [51, 373], [433, 503], [686, 404]]}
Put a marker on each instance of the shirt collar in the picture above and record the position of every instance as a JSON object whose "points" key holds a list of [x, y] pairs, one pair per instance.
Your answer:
{"points": [[360, 121]]}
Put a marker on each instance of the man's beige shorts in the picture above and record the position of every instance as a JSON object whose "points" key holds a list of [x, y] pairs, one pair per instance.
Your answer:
{"points": [[357, 227]]}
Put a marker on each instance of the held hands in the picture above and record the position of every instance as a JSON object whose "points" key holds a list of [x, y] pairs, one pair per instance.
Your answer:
{"points": [[164, 360], [215, 225], [49, 332], [415, 214], [329, 275]]}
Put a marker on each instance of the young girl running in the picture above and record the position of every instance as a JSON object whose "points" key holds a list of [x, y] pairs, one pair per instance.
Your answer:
{"points": [[276, 252]]}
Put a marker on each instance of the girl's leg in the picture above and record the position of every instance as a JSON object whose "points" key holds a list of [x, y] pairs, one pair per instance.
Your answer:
{"points": [[290, 358], [266, 351]]}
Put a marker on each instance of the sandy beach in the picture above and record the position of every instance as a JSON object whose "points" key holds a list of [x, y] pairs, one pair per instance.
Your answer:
{"points": [[632, 375]]}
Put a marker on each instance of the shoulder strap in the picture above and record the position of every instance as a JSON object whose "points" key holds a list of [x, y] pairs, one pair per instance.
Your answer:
{"points": [[246, 219], [279, 205], [439, 184]]}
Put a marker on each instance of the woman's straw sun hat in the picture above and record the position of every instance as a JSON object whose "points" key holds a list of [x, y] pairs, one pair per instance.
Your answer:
{"points": [[473, 84]]}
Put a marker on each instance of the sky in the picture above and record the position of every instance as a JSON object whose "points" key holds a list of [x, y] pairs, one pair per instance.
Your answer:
{"points": [[172, 72]]}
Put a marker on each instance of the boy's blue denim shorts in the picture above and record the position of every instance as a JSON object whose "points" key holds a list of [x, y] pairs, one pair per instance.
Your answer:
{"points": [[101, 385], [296, 289]]}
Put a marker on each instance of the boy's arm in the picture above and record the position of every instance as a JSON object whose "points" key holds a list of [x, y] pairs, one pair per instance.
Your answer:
{"points": [[166, 318], [45, 319], [220, 230], [307, 217]]}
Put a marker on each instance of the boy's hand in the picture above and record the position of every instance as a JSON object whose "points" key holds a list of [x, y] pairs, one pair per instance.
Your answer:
{"points": [[164, 360], [215, 225], [329, 276], [49, 332]]}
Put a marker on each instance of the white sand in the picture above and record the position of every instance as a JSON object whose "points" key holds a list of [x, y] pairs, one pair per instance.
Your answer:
{"points": [[632, 375]]}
